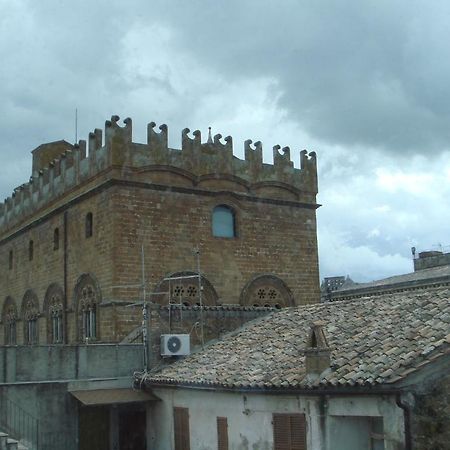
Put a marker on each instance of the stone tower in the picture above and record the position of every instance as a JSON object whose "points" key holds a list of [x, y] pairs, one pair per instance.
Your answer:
{"points": [[71, 238]]}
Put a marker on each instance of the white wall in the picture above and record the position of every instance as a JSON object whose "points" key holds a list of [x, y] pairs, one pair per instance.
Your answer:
{"points": [[250, 418]]}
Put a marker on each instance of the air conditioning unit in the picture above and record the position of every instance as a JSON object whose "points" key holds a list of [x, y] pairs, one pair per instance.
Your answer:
{"points": [[175, 344]]}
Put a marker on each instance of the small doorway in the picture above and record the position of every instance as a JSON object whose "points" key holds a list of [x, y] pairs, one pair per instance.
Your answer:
{"points": [[132, 426], [94, 428]]}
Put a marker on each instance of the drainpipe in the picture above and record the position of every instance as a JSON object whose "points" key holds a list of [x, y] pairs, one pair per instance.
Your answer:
{"points": [[406, 406], [65, 256]]}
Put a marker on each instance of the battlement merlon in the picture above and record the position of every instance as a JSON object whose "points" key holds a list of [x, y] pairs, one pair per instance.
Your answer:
{"points": [[60, 166], [47, 153], [214, 157]]}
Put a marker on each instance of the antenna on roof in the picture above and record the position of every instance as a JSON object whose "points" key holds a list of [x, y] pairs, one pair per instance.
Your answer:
{"points": [[210, 141], [76, 125]]}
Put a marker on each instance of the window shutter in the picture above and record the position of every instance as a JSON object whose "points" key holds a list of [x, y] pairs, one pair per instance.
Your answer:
{"points": [[222, 433], [289, 432], [181, 428], [281, 432], [298, 432]]}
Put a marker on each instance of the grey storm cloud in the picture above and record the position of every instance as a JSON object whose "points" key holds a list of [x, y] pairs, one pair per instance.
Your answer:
{"points": [[369, 74], [352, 73], [363, 83]]}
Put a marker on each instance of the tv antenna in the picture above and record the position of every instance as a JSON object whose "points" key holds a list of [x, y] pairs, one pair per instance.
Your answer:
{"points": [[76, 125], [145, 310]]}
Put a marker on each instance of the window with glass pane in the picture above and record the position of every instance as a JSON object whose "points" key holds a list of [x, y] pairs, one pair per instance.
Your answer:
{"points": [[11, 336], [223, 222], [31, 335], [89, 318]]}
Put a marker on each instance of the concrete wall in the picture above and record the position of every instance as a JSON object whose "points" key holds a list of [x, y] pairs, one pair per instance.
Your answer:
{"points": [[41, 412], [250, 419], [41, 363], [35, 383]]}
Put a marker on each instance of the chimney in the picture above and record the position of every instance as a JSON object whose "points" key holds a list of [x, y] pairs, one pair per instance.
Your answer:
{"points": [[317, 352]]}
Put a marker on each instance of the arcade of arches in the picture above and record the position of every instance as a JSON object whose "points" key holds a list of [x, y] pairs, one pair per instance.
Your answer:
{"points": [[181, 288]]}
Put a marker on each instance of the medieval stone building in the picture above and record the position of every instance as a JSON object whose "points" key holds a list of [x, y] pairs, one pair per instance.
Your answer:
{"points": [[71, 238], [97, 222]]}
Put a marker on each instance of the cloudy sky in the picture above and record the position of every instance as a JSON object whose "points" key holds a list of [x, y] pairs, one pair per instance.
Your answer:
{"points": [[364, 84]]}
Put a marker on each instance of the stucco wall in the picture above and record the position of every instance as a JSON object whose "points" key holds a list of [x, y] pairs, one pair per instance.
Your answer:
{"points": [[250, 419]]}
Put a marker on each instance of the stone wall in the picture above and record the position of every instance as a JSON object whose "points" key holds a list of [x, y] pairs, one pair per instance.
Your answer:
{"points": [[431, 418], [272, 238]]}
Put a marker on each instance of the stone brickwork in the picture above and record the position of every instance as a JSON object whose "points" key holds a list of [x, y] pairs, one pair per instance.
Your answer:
{"points": [[160, 199]]}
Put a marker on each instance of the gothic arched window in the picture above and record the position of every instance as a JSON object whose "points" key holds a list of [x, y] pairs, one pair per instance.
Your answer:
{"points": [[54, 309], [30, 315], [223, 222], [87, 301], [10, 321]]}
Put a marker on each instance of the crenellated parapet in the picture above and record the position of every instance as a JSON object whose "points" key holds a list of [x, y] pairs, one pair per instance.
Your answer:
{"points": [[60, 167]]}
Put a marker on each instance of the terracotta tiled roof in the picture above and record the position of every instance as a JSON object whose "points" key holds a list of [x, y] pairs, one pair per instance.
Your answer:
{"points": [[373, 341]]}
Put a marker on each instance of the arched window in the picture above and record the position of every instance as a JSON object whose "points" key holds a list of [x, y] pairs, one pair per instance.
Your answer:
{"points": [[89, 312], [182, 288], [266, 290], [56, 239], [30, 315], [223, 222], [87, 300], [89, 225], [54, 310], [10, 321]]}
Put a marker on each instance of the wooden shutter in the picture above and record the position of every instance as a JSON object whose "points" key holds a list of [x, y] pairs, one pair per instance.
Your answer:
{"points": [[181, 428], [222, 433], [289, 432]]}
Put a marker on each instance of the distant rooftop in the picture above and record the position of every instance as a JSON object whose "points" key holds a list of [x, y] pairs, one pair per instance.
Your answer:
{"points": [[430, 258], [431, 268], [432, 274]]}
